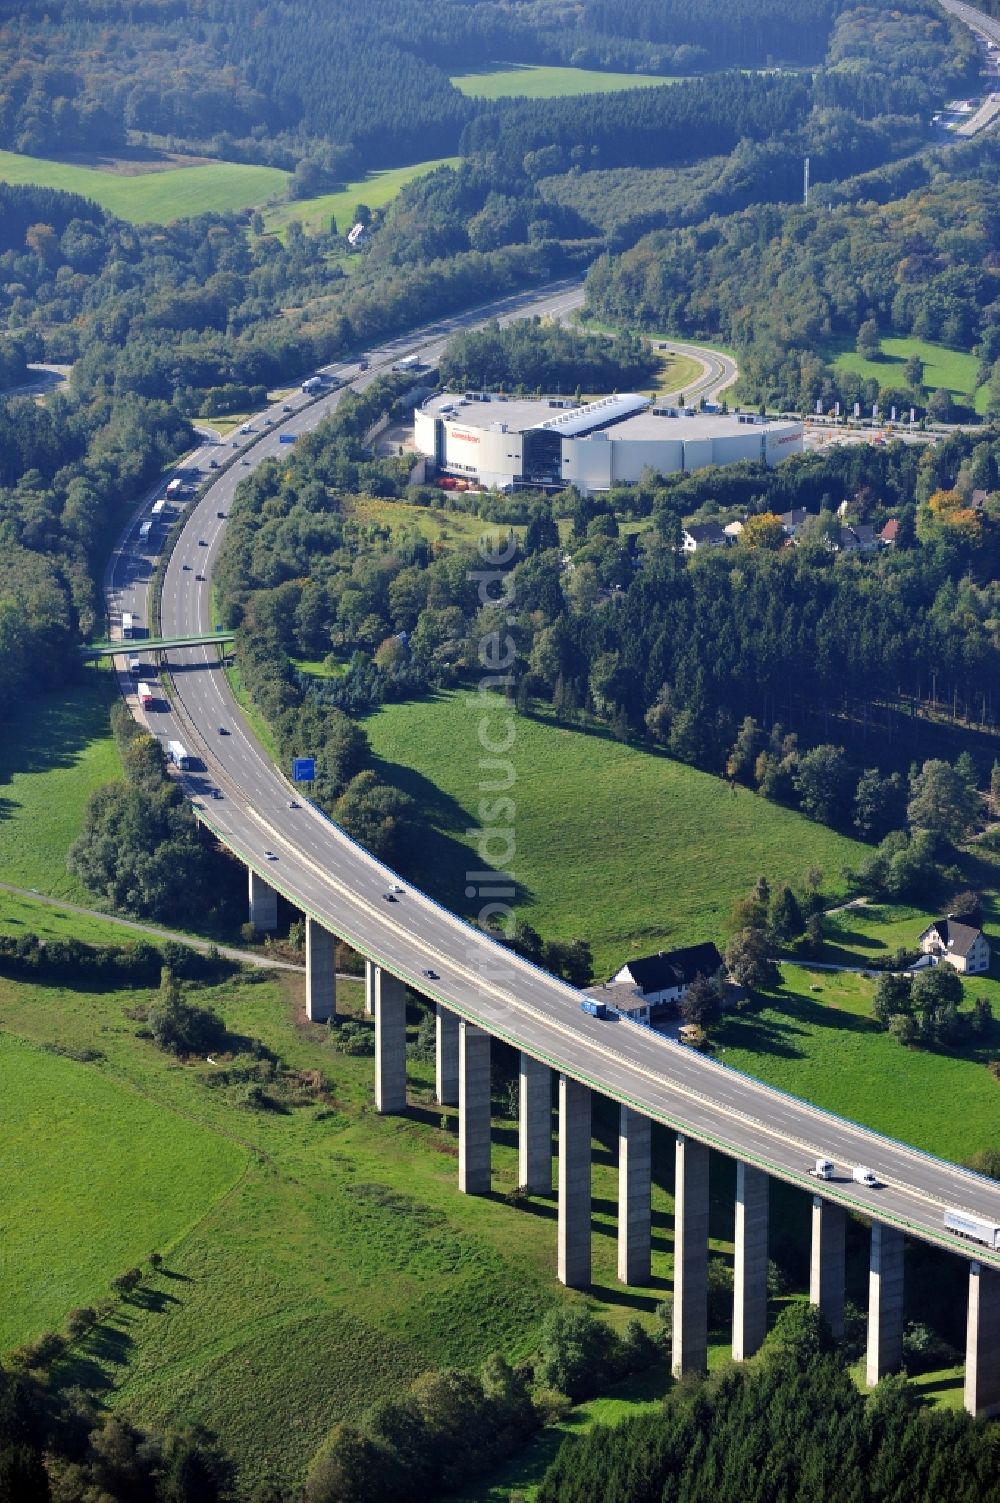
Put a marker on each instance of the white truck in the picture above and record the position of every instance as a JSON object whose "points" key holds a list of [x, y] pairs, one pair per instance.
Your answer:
{"points": [[313, 384], [178, 756], [975, 1228], [822, 1169], [862, 1175]]}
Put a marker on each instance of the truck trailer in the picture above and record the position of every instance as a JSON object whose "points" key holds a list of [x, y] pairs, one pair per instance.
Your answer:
{"points": [[178, 756], [975, 1228], [145, 694], [313, 385], [128, 624]]}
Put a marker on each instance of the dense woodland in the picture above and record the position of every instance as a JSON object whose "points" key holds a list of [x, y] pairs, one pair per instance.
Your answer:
{"points": [[806, 673], [920, 264], [790, 1424], [346, 85]]}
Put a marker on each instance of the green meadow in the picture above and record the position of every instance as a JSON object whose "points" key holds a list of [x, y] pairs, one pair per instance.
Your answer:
{"points": [[376, 190], [52, 757], [153, 197], [619, 844], [944, 368], [315, 1258], [528, 81]]}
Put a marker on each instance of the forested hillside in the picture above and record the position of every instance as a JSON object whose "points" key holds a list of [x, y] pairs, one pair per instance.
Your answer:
{"points": [[777, 283], [269, 84], [790, 1424]]}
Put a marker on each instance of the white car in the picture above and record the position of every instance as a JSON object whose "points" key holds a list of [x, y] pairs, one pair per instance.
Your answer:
{"points": [[270, 856]]}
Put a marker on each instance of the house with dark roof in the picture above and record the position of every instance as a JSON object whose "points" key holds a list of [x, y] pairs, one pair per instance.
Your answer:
{"points": [[703, 535], [663, 977], [792, 520], [859, 537], [964, 946]]}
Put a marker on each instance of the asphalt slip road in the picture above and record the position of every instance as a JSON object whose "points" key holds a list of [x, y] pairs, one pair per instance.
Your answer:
{"points": [[324, 873]]}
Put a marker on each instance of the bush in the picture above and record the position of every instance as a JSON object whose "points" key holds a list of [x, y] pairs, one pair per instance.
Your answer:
{"points": [[355, 1038], [551, 1406], [180, 1026], [577, 1352]]}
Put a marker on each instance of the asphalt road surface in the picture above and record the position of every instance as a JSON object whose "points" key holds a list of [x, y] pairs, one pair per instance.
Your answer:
{"points": [[325, 874]]}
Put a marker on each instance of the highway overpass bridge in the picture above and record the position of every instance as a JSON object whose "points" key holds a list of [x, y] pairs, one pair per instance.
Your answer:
{"points": [[134, 646], [482, 991]]}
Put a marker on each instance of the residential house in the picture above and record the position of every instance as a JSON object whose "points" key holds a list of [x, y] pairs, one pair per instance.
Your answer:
{"points": [[890, 532], [703, 535], [792, 520], [964, 946], [655, 983], [859, 538]]}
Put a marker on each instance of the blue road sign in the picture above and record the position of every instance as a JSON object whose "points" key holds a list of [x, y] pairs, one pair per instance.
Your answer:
{"points": [[304, 769]]}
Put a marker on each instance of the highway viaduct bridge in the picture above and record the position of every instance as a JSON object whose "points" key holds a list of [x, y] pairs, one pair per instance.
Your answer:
{"points": [[482, 991]]}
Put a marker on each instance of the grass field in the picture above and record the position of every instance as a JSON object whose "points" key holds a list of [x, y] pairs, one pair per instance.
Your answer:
{"points": [[818, 1040], [435, 523], [52, 757], [376, 190], [95, 1177], [944, 368], [315, 1260], [676, 373], [153, 197], [523, 80], [622, 845]]}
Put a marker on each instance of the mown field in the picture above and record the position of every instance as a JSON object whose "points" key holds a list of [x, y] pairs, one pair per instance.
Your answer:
{"points": [[529, 81], [626, 847], [52, 757], [153, 197], [944, 368], [376, 190]]}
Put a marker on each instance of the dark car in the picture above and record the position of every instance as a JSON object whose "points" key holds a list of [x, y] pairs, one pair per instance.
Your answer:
{"points": [[201, 577], [431, 975], [216, 792], [286, 408], [213, 464], [221, 515], [223, 731], [186, 566], [390, 897]]}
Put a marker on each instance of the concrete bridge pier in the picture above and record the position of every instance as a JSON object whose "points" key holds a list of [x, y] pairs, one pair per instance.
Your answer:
{"points": [[826, 1264], [690, 1339], [263, 903], [390, 1042], [446, 1057], [574, 1184], [750, 1263], [473, 1109], [370, 969], [321, 973], [885, 1303], [534, 1131], [635, 1161], [982, 1343]]}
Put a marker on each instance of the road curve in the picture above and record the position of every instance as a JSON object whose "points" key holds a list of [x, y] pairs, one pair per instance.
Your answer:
{"points": [[319, 869]]}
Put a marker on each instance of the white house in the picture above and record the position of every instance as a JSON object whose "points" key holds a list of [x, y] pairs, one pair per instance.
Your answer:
{"points": [[962, 945], [703, 535]]}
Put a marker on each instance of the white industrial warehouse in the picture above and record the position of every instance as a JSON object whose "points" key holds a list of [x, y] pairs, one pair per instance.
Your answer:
{"points": [[509, 441]]}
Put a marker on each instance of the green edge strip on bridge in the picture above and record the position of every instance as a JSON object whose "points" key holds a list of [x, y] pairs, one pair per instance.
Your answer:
{"points": [[129, 645], [664, 1118]]}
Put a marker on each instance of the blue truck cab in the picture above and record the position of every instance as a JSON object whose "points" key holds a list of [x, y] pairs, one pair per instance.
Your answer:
{"points": [[594, 1009]]}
